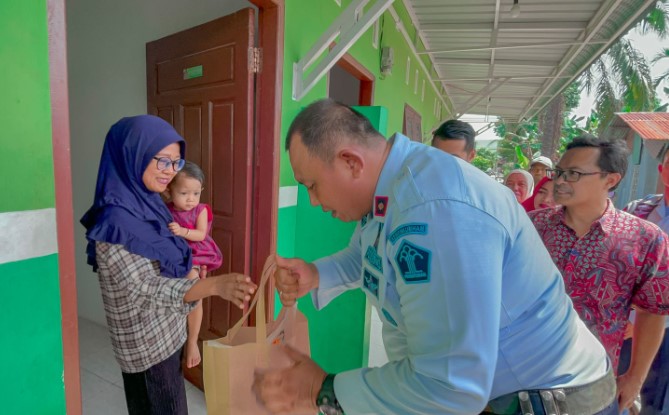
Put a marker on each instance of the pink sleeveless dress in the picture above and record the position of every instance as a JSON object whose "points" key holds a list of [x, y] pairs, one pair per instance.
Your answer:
{"points": [[205, 252]]}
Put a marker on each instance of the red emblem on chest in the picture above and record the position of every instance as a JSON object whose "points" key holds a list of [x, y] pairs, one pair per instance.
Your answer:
{"points": [[380, 205]]}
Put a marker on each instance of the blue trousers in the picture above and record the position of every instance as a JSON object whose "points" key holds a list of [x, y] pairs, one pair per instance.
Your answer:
{"points": [[655, 390]]}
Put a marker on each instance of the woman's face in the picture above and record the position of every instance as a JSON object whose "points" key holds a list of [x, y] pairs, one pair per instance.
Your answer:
{"points": [[544, 198], [517, 182], [157, 180]]}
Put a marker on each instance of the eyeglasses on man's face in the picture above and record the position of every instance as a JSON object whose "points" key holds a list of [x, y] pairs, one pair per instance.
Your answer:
{"points": [[570, 175], [164, 163]]}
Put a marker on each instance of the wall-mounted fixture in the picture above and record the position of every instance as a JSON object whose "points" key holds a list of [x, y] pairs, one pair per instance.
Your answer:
{"points": [[515, 9], [387, 60]]}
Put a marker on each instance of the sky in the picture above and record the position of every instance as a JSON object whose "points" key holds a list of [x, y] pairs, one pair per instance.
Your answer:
{"points": [[649, 45]]}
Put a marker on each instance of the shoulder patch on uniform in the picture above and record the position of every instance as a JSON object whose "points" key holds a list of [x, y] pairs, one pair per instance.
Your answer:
{"points": [[408, 229], [413, 262], [374, 259], [370, 282]]}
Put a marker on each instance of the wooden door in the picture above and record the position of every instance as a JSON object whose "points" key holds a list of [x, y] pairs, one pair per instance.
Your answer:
{"points": [[199, 80]]}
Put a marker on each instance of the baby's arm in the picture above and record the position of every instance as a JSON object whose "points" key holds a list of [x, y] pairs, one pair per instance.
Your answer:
{"points": [[197, 234]]}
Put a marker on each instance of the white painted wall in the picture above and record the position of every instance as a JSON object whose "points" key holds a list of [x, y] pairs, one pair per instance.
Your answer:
{"points": [[107, 80]]}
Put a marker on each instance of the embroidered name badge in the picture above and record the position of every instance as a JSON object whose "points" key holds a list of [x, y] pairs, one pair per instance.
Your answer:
{"points": [[413, 262], [408, 229], [371, 283], [374, 259], [380, 205], [388, 317]]}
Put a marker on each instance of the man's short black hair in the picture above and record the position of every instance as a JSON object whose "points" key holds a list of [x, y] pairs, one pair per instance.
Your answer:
{"points": [[456, 130], [612, 153], [325, 123]]}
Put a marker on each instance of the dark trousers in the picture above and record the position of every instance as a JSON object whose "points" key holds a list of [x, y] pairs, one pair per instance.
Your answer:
{"points": [[655, 390], [159, 390]]}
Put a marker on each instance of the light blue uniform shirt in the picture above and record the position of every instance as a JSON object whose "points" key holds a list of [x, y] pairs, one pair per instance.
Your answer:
{"points": [[472, 305]]}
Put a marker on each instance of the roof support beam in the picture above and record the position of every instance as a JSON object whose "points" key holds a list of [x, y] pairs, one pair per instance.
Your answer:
{"points": [[491, 62], [507, 47], [522, 27], [349, 26], [493, 43], [485, 92], [512, 78]]}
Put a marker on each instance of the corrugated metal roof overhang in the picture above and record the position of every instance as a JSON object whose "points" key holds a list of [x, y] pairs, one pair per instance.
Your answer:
{"points": [[649, 125], [493, 64]]}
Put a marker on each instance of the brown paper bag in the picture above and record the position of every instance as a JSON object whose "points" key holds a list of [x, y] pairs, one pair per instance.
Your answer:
{"points": [[229, 362]]}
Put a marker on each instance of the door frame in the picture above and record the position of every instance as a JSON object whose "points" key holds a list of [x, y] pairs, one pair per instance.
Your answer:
{"points": [[269, 86], [266, 170], [60, 131], [357, 70]]}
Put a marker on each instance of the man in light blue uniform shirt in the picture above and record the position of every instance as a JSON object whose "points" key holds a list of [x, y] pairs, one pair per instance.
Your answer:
{"points": [[474, 311]]}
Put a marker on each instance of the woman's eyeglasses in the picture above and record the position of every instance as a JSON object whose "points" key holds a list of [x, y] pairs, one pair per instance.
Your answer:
{"points": [[164, 163], [570, 175]]}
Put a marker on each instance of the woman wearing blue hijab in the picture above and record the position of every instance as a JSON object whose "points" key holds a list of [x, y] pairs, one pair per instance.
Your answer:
{"points": [[142, 267]]}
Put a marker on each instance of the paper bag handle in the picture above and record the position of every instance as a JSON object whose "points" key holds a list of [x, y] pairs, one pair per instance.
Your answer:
{"points": [[259, 299]]}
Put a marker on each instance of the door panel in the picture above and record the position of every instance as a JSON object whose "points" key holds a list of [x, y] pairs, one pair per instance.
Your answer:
{"points": [[199, 81]]}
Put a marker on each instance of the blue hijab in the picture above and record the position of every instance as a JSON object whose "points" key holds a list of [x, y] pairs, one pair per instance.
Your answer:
{"points": [[124, 211]]}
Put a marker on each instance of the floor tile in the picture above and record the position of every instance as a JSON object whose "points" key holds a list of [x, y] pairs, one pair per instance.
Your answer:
{"points": [[101, 380]]}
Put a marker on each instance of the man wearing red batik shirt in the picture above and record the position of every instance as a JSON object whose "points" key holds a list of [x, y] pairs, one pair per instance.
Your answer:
{"points": [[609, 259]]}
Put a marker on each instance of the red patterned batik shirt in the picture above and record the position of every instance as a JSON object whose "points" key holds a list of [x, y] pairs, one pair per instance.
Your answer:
{"points": [[621, 261]]}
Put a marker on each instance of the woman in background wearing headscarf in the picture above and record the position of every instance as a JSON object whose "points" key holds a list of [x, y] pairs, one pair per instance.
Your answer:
{"points": [[142, 267], [542, 197], [521, 184]]}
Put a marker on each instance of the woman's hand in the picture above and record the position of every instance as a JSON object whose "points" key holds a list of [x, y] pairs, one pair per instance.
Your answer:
{"points": [[236, 288]]}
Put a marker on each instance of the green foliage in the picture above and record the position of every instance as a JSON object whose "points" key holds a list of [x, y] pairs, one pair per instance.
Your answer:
{"points": [[571, 128], [572, 96], [662, 55], [520, 143], [657, 20], [485, 160]]}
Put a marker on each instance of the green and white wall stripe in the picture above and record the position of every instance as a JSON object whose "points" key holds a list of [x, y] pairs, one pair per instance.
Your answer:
{"points": [[27, 234], [31, 353]]}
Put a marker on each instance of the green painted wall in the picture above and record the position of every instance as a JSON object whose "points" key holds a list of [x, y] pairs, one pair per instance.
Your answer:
{"points": [[31, 354], [26, 114], [31, 349], [339, 333]]}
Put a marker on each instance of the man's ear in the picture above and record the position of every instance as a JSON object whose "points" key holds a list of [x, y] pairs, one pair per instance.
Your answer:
{"points": [[612, 179], [659, 168], [353, 160], [471, 155]]}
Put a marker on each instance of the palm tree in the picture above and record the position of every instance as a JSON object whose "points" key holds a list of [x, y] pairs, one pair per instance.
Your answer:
{"points": [[620, 78], [663, 54]]}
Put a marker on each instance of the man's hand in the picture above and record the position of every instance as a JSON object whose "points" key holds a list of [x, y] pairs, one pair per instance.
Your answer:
{"points": [[294, 278], [629, 387], [292, 390]]}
